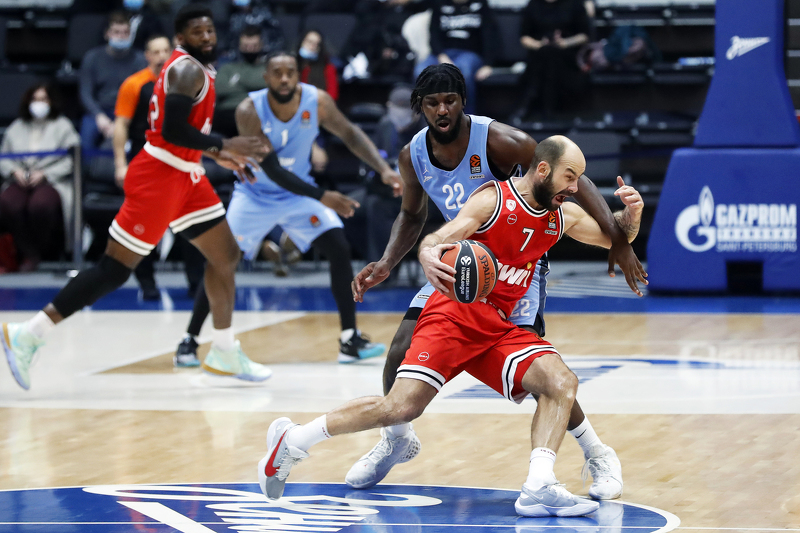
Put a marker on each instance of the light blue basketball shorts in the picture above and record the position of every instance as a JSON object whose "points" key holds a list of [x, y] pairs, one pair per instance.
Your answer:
{"points": [[251, 217]]}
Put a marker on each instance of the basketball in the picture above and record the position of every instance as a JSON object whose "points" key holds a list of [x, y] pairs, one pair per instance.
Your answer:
{"points": [[476, 271]]}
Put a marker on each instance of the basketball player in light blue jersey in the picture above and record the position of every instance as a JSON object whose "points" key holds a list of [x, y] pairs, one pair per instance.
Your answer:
{"points": [[447, 161], [287, 116]]}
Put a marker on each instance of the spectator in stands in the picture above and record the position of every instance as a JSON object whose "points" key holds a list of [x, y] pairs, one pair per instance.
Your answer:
{"points": [[238, 78], [145, 22], [103, 70], [464, 33], [314, 62], [317, 69], [380, 39], [552, 31], [130, 124], [254, 13], [37, 199], [369, 228]]}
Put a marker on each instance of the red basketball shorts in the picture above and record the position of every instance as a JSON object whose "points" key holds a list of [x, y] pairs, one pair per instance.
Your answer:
{"points": [[158, 196], [451, 338]]}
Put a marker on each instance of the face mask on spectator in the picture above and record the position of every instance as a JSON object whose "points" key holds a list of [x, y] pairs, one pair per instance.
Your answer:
{"points": [[39, 109], [241, 3], [120, 44], [133, 5], [401, 117], [305, 53], [250, 57]]}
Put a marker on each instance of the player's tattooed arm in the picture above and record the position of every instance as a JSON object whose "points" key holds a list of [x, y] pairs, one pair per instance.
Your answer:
{"points": [[333, 120], [630, 218], [584, 228], [620, 252]]}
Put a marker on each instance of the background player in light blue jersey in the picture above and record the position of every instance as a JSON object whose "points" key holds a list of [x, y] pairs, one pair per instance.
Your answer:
{"points": [[287, 115], [447, 161]]}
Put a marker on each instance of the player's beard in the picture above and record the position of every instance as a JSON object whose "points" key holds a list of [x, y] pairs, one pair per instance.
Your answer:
{"points": [[543, 193], [283, 98], [447, 137], [206, 58]]}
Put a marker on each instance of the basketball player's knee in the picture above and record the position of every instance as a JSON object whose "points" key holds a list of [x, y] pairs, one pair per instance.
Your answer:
{"points": [[564, 384], [113, 273], [408, 412]]}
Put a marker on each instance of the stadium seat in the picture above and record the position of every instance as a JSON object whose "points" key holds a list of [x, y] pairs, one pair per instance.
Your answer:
{"points": [[290, 25], [14, 85], [85, 32], [335, 28]]}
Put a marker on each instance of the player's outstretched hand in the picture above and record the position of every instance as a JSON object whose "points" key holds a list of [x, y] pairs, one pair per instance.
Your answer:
{"points": [[246, 146], [436, 271], [392, 179], [342, 204], [629, 196], [370, 275]]}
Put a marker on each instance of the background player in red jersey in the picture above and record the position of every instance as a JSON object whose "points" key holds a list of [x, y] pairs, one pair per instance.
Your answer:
{"points": [[165, 186], [511, 360]]}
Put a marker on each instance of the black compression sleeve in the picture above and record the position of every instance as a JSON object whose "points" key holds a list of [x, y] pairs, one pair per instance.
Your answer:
{"points": [[177, 130], [288, 180]]}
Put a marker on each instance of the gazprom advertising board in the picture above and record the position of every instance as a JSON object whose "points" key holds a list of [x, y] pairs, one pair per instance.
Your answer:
{"points": [[733, 197]]}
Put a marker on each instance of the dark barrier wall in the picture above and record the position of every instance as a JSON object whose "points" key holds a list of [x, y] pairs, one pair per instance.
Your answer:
{"points": [[732, 199]]}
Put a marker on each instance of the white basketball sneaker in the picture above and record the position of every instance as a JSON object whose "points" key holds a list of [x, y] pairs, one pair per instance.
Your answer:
{"points": [[606, 472], [274, 468], [552, 500], [373, 467]]}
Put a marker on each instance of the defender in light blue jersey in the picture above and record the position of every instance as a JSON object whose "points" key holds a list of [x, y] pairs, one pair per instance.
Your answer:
{"points": [[447, 161], [287, 114]]}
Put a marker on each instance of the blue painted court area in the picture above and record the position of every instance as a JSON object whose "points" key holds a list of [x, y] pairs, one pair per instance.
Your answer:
{"points": [[304, 507], [319, 299]]}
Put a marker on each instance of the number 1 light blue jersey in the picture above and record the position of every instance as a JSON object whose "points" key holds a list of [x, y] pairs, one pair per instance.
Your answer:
{"points": [[449, 189], [291, 140]]}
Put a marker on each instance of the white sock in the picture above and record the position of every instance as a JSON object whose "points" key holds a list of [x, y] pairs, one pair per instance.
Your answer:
{"points": [[346, 334], [585, 436], [305, 436], [400, 430], [223, 339], [40, 325], [541, 469]]}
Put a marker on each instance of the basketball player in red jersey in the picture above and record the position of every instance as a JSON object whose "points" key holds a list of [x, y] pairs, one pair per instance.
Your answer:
{"points": [[440, 93], [165, 186], [518, 220]]}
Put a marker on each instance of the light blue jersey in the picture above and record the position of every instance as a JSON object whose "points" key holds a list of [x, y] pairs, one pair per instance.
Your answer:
{"points": [[291, 140], [256, 208], [449, 190]]}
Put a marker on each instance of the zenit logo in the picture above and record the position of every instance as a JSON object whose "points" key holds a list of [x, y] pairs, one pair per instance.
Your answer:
{"points": [[306, 507], [740, 46]]}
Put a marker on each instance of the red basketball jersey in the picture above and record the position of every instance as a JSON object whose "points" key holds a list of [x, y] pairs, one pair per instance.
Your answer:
{"points": [[518, 235], [202, 111]]}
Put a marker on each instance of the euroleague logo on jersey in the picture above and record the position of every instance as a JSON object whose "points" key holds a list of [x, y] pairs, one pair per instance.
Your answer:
{"points": [[305, 118], [475, 164]]}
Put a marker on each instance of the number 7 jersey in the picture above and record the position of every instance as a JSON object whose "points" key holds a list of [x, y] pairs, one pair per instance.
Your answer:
{"points": [[518, 235], [449, 189]]}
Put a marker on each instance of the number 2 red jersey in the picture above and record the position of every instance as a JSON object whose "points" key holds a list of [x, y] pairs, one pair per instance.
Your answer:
{"points": [[518, 235], [202, 111]]}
